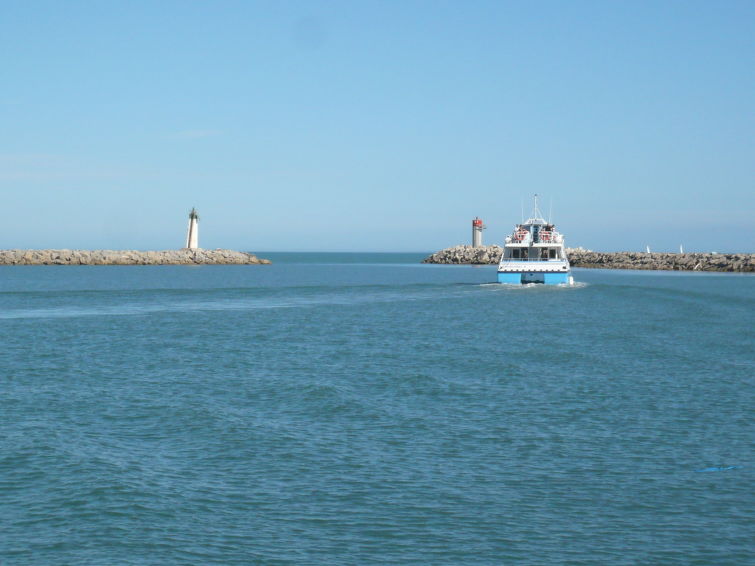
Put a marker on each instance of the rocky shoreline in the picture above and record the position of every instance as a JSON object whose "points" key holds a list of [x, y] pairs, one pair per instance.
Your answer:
{"points": [[609, 260], [129, 257]]}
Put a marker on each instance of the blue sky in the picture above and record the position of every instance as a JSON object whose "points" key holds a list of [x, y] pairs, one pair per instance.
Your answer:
{"points": [[377, 126]]}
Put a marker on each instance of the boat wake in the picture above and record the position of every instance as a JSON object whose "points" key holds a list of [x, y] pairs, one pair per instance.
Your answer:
{"points": [[530, 286]]}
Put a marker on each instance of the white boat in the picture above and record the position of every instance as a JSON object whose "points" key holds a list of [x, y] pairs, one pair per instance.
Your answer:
{"points": [[534, 253]]}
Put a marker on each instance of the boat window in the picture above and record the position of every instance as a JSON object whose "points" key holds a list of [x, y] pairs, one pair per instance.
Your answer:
{"points": [[516, 253], [553, 253], [544, 253], [524, 253]]}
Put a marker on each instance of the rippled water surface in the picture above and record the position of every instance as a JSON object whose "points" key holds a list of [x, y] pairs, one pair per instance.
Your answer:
{"points": [[365, 409]]}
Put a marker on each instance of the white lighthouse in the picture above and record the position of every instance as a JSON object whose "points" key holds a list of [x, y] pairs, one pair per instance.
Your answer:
{"points": [[477, 228], [192, 235]]}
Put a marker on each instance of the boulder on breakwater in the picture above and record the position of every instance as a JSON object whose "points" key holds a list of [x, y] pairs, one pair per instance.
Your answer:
{"points": [[609, 260], [128, 257]]}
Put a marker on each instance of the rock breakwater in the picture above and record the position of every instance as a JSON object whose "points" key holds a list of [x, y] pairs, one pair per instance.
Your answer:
{"points": [[128, 257], [663, 261], [609, 260], [481, 255]]}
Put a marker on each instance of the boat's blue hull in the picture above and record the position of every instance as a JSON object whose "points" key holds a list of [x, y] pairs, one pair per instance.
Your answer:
{"points": [[523, 277]]}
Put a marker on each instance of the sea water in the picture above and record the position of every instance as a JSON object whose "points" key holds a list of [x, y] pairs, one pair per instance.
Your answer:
{"points": [[366, 409]]}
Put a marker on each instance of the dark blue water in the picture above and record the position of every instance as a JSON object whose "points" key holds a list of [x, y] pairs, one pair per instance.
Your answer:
{"points": [[342, 409]]}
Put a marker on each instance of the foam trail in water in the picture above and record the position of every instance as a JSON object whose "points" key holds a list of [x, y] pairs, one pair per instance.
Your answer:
{"points": [[234, 304], [510, 287]]}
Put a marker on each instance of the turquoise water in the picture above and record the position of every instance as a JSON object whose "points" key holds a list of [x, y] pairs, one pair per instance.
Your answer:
{"points": [[365, 409]]}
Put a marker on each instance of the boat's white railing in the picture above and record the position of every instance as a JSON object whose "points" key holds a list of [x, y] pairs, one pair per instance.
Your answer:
{"points": [[550, 238], [526, 259], [527, 238], [519, 238]]}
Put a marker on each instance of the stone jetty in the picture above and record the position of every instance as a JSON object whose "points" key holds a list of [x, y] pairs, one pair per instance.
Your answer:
{"points": [[481, 255], [128, 257], [609, 260]]}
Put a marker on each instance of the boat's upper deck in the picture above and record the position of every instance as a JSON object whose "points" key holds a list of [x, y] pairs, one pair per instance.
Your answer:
{"points": [[535, 232], [534, 241]]}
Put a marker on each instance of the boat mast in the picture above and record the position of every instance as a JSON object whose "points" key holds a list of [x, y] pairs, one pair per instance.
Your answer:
{"points": [[535, 209]]}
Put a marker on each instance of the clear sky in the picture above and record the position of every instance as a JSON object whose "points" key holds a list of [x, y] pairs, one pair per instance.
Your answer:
{"points": [[376, 126]]}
